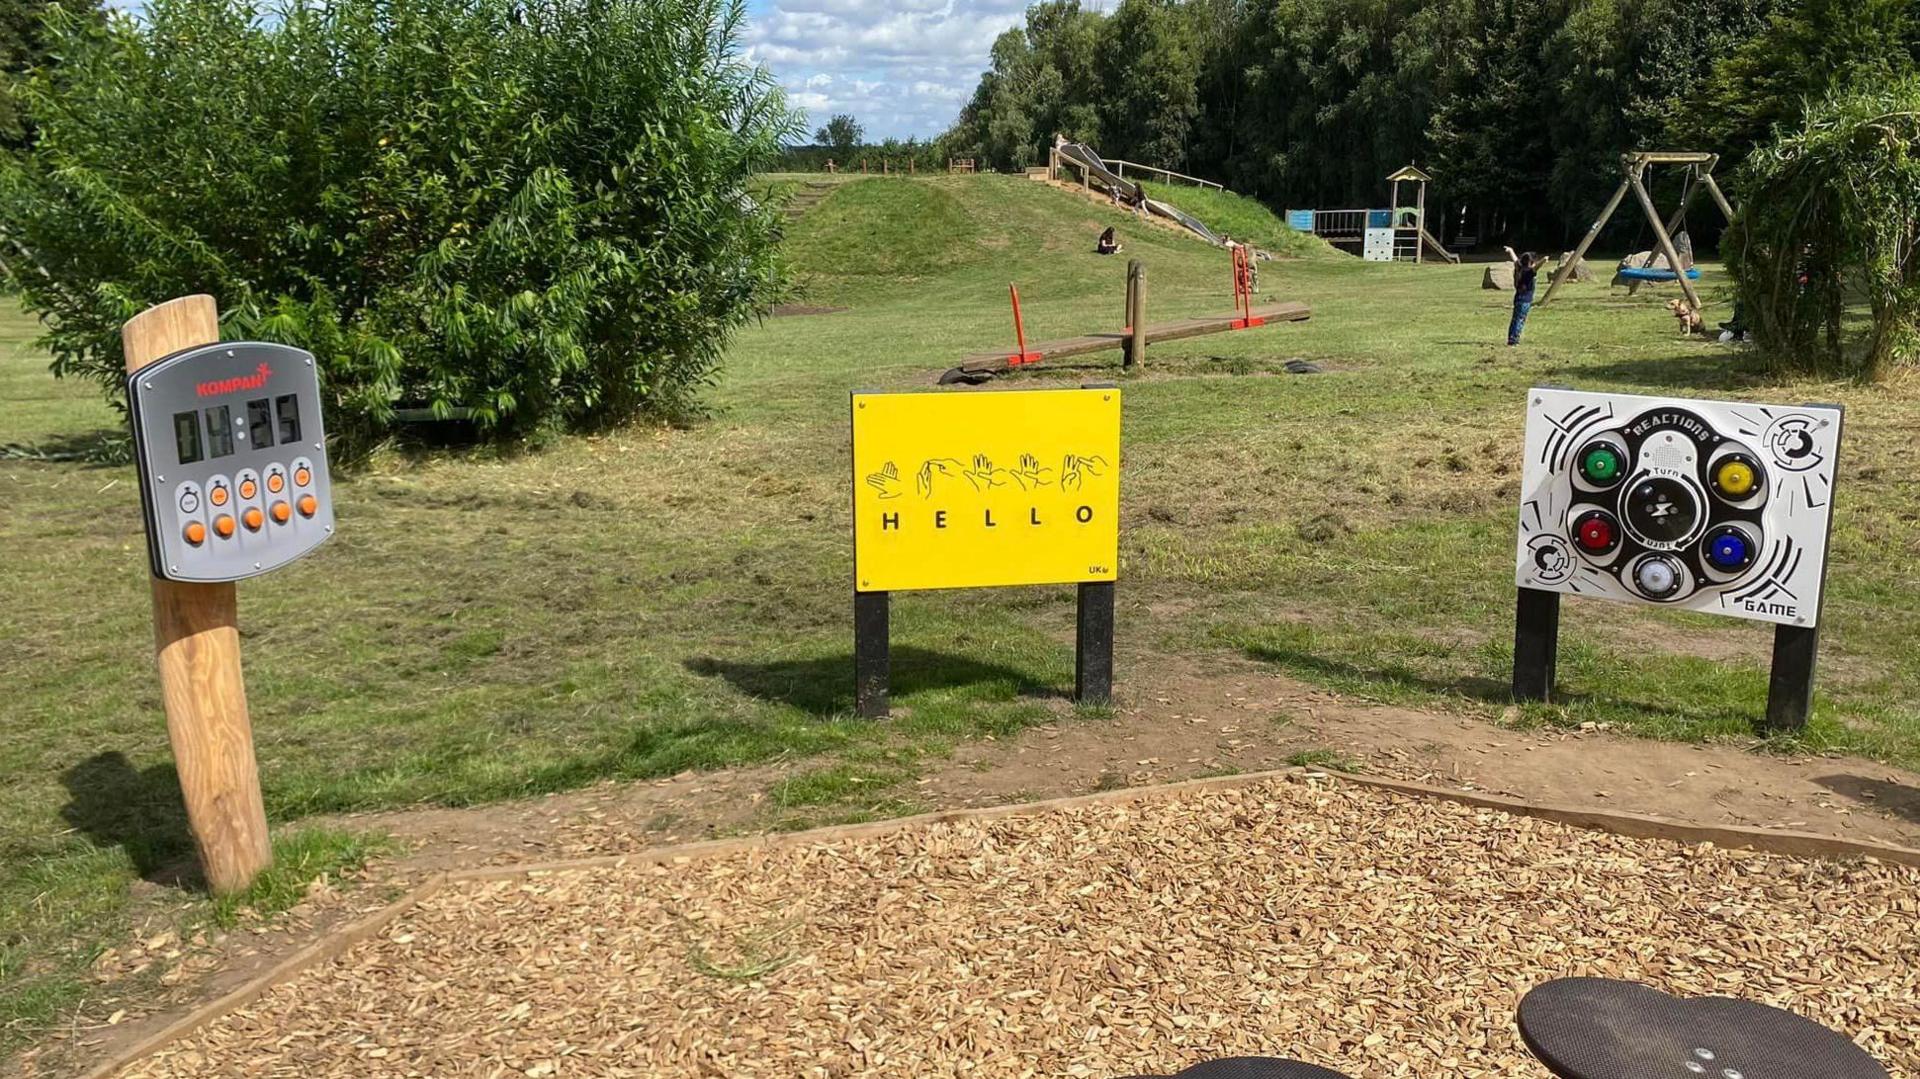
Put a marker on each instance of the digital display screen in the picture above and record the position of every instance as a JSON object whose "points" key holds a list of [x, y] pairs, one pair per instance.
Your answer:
{"points": [[186, 436], [220, 431], [289, 407], [260, 423]]}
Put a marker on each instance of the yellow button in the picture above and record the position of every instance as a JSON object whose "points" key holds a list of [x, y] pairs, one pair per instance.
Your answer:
{"points": [[280, 512], [308, 505], [253, 519], [275, 482], [195, 532], [1734, 478], [217, 496], [247, 489], [223, 525], [302, 477]]}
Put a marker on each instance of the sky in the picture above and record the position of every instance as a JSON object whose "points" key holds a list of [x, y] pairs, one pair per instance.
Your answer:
{"points": [[899, 67]]}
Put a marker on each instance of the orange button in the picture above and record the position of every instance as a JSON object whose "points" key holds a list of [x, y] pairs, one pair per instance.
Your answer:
{"points": [[275, 482], [217, 496], [253, 518], [308, 505], [223, 525], [247, 489], [302, 477], [280, 512], [195, 532]]}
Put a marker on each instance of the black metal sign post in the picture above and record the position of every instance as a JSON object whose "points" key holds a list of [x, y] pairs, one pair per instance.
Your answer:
{"points": [[1790, 683], [1093, 644], [1536, 643], [872, 665]]}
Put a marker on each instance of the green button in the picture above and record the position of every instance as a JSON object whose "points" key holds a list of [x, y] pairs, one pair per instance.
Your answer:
{"points": [[1600, 464]]}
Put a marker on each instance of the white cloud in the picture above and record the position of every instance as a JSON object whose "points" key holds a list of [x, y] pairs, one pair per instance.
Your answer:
{"points": [[900, 67]]}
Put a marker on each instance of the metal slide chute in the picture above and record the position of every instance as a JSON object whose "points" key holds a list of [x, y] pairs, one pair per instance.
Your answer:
{"points": [[1083, 157]]}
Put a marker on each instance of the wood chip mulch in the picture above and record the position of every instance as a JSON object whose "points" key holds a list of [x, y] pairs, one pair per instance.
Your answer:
{"points": [[1380, 934]]}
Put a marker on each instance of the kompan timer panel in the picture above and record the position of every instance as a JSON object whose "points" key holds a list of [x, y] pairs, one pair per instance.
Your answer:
{"points": [[232, 460], [1713, 506]]}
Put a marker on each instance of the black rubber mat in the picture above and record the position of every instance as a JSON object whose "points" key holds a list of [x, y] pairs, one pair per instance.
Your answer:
{"points": [[1598, 1028], [1251, 1068]]}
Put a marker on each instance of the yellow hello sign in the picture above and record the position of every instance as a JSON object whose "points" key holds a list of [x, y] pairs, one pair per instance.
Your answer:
{"points": [[969, 490]]}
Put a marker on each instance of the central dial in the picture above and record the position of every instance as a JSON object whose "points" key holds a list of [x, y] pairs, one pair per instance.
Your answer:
{"points": [[1661, 512]]}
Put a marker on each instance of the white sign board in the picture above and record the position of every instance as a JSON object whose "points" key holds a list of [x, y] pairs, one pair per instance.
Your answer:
{"points": [[1712, 506]]}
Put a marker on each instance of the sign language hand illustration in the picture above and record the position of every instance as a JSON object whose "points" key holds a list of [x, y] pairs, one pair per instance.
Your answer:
{"points": [[983, 475], [942, 466], [1030, 475], [886, 481], [1075, 468]]}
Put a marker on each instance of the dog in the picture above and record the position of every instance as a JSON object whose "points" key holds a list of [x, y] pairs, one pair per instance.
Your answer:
{"points": [[1690, 320]]}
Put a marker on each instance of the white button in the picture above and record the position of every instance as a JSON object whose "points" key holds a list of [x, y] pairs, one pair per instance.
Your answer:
{"points": [[1656, 577]]}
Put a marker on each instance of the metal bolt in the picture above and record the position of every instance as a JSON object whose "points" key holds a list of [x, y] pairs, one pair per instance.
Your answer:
{"points": [[149, 385], [159, 479], [172, 568], [329, 528], [1536, 400], [1703, 1054], [230, 352], [309, 361], [256, 565]]}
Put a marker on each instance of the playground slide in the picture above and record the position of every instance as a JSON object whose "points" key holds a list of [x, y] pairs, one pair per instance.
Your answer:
{"points": [[1084, 157]]}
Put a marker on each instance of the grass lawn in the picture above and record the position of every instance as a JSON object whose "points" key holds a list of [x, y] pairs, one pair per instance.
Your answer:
{"points": [[489, 624]]}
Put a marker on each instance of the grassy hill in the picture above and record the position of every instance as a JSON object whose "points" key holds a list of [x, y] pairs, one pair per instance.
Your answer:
{"points": [[1242, 218]]}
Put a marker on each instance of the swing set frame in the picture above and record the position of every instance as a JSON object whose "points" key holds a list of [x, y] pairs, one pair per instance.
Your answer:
{"points": [[1633, 169]]}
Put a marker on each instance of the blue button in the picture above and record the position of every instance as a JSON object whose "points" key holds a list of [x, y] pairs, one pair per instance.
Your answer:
{"points": [[1728, 551]]}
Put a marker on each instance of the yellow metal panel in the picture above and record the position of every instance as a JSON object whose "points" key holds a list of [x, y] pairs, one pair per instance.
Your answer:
{"points": [[969, 490]]}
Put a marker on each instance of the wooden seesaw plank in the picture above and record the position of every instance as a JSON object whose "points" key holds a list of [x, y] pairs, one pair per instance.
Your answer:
{"points": [[989, 362]]}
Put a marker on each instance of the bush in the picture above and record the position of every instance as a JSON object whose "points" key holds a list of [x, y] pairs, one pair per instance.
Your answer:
{"points": [[533, 209], [1831, 215]]}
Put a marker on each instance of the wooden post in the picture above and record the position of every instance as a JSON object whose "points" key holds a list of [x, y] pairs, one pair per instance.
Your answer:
{"points": [[1665, 241], [197, 640], [1136, 313], [1566, 268], [1719, 198], [1419, 220]]}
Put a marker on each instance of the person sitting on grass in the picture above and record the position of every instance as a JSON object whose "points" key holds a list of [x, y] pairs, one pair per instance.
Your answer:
{"points": [[1107, 245], [1526, 267]]}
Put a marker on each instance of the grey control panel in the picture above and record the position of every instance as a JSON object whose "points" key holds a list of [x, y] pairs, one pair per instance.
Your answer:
{"points": [[232, 460]]}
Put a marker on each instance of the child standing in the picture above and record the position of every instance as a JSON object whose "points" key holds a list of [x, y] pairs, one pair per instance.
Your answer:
{"points": [[1526, 267]]}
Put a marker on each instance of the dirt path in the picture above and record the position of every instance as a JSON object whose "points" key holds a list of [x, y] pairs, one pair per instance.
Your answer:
{"points": [[1180, 718]]}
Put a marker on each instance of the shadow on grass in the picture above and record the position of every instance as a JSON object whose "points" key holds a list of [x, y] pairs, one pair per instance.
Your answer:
{"points": [[823, 685], [115, 804], [1896, 798], [1389, 677], [108, 447], [1717, 370]]}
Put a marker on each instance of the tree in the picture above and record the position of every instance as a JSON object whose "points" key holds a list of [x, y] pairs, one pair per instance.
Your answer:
{"points": [[23, 47], [568, 236], [1808, 50], [842, 135], [1833, 212]]}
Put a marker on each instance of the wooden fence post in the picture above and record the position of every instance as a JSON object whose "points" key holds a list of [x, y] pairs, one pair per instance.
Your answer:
{"points": [[197, 643]]}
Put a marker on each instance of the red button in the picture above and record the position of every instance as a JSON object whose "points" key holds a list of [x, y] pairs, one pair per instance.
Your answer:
{"points": [[1596, 534]]}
